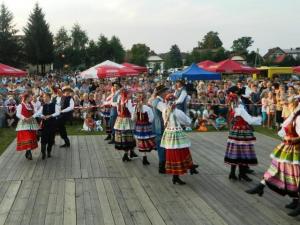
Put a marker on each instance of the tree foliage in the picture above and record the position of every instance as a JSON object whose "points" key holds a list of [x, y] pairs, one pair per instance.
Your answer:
{"points": [[174, 57], [210, 41], [139, 54], [10, 45], [62, 44], [241, 45], [117, 50], [38, 39]]}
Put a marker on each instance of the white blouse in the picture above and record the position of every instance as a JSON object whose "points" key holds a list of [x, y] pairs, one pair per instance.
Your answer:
{"points": [[282, 133], [145, 109], [241, 111]]}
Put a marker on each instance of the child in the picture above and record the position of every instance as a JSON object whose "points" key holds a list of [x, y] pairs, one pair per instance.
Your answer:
{"points": [[221, 122], [89, 123]]}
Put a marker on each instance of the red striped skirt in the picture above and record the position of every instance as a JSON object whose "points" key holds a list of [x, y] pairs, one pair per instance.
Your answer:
{"points": [[26, 140], [178, 161]]}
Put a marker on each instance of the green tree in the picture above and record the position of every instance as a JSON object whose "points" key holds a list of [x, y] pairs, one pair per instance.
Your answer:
{"points": [[10, 46], [210, 41], [92, 54], [79, 42], [117, 50], [38, 39], [62, 44], [254, 59], [104, 48], [174, 57], [241, 45], [139, 54]]}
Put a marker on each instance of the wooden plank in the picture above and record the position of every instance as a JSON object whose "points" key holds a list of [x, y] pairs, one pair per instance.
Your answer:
{"points": [[150, 209], [59, 211], [105, 207], [70, 203], [8, 200], [80, 211], [51, 207]]}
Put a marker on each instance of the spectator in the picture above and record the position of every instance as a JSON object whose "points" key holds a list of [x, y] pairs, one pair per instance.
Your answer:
{"points": [[11, 109], [271, 109]]}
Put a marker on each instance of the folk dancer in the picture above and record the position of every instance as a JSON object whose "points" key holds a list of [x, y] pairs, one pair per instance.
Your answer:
{"points": [[124, 138], [27, 127], [174, 140], [158, 105], [67, 107], [115, 90], [283, 175], [143, 117], [48, 113], [240, 143]]}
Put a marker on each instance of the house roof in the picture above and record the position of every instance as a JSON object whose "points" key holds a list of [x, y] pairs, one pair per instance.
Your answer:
{"points": [[272, 51], [154, 58], [292, 50]]}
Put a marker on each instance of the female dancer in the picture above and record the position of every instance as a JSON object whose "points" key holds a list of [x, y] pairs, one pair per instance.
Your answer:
{"points": [[174, 140], [124, 139], [27, 127], [240, 144], [106, 116], [143, 117], [283, 175]]}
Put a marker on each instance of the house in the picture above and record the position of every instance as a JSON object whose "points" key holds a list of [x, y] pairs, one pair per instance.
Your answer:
{"points": [[294, 52], [155, 61], [239, 59], [273, 53]]}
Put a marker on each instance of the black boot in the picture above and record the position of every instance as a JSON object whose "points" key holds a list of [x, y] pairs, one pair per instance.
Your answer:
{"points": [[243, 175], [176, 180], [162, 168], [193, 169], [67, 143], [248, 170], [49, 149], [29, 155], [108, 137], [232, 175], [145, 161], [295, 212], [125, 157], [112, 141], [293, 204], [259, 189], [26, 154], [132, 154], [43, 150]]}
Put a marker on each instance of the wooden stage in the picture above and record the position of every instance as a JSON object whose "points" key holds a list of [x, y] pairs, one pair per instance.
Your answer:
{"points": [[89, 185]]}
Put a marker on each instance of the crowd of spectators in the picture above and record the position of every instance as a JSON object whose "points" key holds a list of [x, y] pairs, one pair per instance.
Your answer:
{"points": [[271, 99]]}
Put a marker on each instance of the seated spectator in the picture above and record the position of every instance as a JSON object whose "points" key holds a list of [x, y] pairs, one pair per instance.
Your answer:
{"points": [[89, 123], [2, 113], [221, 122], [11, 110]]}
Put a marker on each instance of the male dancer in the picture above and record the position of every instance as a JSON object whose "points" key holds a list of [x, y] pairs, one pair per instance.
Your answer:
{"points": [[158, 124], [113, 111], [48, 113], [181, 96], [67, 107]]}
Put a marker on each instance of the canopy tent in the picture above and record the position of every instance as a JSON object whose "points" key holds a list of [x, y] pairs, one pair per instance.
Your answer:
{"points": [[9, 71], [296, 70], [205, 64], [230, 67], [195, 73], [140, 69], [108, 69]]}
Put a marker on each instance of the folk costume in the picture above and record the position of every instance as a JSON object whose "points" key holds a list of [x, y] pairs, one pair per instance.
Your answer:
{"points": [[124, 128], [48, 112], [283, 175], [113, 111], [181, 99], [106, 116], [240, 143], [158, 107], [26, 129], [174, 140], [143, 117], [67, 107]]}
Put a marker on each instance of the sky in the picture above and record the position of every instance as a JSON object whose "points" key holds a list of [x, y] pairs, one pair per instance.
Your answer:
{"points": [[162, 23]]}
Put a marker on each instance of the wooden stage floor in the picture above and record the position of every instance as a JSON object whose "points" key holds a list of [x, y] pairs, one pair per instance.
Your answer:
{"points": [[89, 185]]}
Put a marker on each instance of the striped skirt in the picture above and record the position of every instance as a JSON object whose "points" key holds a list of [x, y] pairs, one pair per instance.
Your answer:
{"points": [[240, 148], [26, 140], [178, 161], [283, 175]]}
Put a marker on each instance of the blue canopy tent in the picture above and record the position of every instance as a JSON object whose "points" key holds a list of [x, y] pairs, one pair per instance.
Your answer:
{"points": [[194, 73]]}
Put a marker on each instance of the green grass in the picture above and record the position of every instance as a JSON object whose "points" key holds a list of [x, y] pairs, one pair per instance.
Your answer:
{"points": [[7, 135], [266, 131]]}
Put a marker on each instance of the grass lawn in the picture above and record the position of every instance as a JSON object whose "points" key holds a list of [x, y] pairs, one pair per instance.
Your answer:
{"points": [[8, 135]]}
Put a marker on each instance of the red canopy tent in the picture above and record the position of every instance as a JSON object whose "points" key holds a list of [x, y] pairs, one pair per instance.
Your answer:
{"points": [[296, 69], [205, 64], [229, 66], [107, 71], [140, 69], [9, 71]]}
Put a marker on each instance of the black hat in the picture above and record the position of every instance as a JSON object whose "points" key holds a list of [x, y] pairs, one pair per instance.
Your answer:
{"points": [[161, 89], [236, 90]]}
